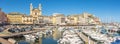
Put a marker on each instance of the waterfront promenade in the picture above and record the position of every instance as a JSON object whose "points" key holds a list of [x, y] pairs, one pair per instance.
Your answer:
{"points": [[3, 41], [21, 33]]}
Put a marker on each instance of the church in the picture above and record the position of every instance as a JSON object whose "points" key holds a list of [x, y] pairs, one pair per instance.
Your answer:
{"points": [[34, 15], [19, 18]]}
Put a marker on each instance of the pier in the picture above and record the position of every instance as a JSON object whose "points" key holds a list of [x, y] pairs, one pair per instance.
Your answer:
{"points": [[85, 38]]}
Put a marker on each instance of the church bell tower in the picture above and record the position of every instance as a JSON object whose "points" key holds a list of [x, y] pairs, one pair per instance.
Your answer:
{"points": [[35, 12]]}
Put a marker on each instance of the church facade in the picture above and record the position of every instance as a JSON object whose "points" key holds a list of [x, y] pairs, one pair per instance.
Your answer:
{"points": [[34, 15], [19, 18]]}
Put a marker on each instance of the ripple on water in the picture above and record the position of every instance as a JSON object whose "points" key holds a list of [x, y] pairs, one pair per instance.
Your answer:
{"points": [[23, 42], [49, 41]]}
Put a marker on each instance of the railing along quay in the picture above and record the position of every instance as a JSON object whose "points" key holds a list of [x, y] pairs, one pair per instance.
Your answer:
{"points": [[22, 33]]}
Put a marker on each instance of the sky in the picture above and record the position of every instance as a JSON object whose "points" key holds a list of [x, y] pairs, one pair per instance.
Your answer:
{"points": [[106, 10]]}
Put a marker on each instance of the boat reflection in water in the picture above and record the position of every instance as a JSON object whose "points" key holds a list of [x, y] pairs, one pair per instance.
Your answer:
{"points": [[43, 37], [56, 34], [51, 38]]}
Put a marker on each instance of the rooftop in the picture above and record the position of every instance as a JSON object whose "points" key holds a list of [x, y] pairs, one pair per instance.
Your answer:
{"points": [[15, 13]]}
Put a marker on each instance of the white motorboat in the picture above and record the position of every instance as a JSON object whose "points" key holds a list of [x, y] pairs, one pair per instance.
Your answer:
{"points": [[70, 36]]}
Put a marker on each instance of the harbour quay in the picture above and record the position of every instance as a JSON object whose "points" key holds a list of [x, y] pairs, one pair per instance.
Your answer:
{"points": [[39, 27]]}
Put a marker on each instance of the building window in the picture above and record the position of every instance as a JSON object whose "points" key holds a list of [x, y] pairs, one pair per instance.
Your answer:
{"points": [[30, 20], [23, 20], [62, 20], [35, 13]]}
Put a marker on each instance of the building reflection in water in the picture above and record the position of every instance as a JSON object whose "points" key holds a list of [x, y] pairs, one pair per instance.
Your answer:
{"points": [[56, 34], [45, 39]]}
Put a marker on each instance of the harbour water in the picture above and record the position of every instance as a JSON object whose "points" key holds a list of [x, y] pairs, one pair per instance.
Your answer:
{"points": [[57, 35], [45, 39]]}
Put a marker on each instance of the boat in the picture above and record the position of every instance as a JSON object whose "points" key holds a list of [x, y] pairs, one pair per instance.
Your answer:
{"points": [[70, 37]]}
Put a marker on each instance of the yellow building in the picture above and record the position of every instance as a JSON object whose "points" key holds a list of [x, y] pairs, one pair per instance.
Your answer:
{"points": [[83, 19], [54, 20], [15, 18], [58, 19], [73, 19], [27, 20]]}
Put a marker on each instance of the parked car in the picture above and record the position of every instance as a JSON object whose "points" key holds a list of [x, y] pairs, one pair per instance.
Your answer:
{"points": [[1, 29], [22, 29], [14, 30], [28, 28]]}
